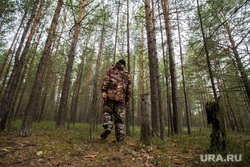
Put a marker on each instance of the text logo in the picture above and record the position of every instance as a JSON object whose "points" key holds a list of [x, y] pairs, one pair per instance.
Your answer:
{"points": [[219, 158]]}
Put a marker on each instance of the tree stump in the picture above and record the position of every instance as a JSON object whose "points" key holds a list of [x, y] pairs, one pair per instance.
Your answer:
{"points": [[146, 127], [215, 117]]}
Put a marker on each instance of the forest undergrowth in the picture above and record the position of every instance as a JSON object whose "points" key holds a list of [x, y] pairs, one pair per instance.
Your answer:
{"points": [[50, 146]]}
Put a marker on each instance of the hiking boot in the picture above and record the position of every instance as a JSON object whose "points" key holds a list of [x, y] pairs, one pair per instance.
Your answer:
{"points": [[105, 134]]}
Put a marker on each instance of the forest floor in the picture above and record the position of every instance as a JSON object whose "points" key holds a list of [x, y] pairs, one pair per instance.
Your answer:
{"points": [[49, 146]]}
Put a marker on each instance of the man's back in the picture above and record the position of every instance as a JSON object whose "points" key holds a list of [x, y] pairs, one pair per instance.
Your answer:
{"points": [[116, 83]]}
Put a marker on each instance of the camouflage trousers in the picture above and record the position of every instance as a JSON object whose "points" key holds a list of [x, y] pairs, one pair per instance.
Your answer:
{"points": [[117, 109]]}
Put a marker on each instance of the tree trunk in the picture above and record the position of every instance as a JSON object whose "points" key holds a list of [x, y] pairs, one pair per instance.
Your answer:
{"points": [[240, 65], [143, 64], [9, 51], [203, 98], [133, 100], [177, 122], [27, 76], [13, 81], [97, 73], [50, 107], [168, 106], [50, 73], [183, 73], [128, 116], [207, 54], [223, 90], [161, 113], [84, 111], [152, 54], [37, 85], [75, 98], [116, 31], [7, 74], [5, 78], [146, 125], [97, 110], [18, 95], [216, 118], [139, 103], [229, 105], [67, 79]]}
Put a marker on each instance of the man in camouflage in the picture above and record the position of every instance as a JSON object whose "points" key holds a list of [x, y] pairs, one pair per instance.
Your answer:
{"points": [[116, 91]]}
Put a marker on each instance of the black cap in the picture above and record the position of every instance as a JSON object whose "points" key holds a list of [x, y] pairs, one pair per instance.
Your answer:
{"points": [[122, 61]]}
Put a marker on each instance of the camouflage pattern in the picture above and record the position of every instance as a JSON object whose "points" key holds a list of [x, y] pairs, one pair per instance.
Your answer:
{"points": [[117, 108], [117, 84]]}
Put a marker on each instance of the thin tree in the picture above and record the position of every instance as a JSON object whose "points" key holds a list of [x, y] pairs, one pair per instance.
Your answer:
{"points": [[50, 73], [67, 78], [96, 79], [76, 92], [161, 114], [7, 101], [207, 53], [6, 76], [152, 54], [177, 121], [37, 85], [116, 30], [168, 106], [9, 51], [183, 73], [243, 73], [128, 133], [143, 62], [85, 106], [17, 101], [7, 72], [132, 99]]}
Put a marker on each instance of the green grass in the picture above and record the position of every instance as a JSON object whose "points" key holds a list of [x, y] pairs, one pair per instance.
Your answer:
{"points": [[182, 146]]}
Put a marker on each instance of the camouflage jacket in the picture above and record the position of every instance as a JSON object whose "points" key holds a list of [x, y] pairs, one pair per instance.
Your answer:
{"points": [[117, 84]]}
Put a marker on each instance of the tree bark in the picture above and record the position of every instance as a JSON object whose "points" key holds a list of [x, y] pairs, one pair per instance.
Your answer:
{"points": [[133, 100], [159, 91], [30, 55], [28, 74], [96, 79], [168, 106], [143, 64], [13, 81], [51, 106], [177, 121], [207, 54], [7, 74], [37, 85], [128, 115], [146, 125], [75, 98], [5, 78], [229, 104], [152, 54], [50, 73], [116, 31], [67, 79], [216, 118], [241, 68], [84, 117], [9, 51], [183, 73]]}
